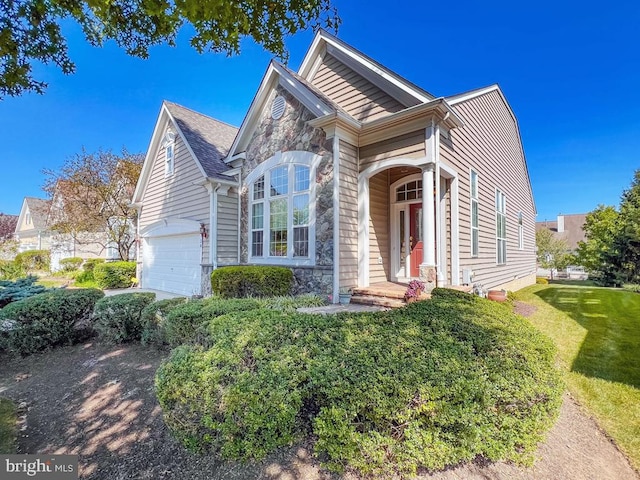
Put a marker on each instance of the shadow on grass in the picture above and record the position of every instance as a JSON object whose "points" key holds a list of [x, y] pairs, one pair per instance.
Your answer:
{"points": [[612, 320], [577, 283]]}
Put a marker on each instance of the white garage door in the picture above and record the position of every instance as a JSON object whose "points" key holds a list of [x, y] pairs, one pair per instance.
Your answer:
{"points": [[172, 264]]}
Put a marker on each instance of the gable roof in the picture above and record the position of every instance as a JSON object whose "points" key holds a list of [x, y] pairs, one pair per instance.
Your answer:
{"points": [[38, 208], [208, 141], [573, 231]]}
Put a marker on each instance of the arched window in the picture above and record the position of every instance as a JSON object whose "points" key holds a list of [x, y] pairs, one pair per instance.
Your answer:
{"points": [[282, 210]]}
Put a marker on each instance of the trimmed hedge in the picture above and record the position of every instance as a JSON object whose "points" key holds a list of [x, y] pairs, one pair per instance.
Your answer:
{"points": [[386, 393], [49, 319], [251, 281], [153, 319], [542, 281], [32, 260], [90, 264], [117, 317], [114, 274]]}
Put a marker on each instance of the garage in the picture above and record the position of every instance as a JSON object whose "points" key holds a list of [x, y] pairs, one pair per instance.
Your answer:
{"points": [[172, 262]]}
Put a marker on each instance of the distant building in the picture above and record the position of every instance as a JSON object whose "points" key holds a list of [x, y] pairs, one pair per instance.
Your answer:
{"points": [[570, 229]]}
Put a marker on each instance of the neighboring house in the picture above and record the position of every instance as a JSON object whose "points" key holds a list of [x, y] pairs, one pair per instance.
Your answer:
{"points": [[347, 173], [32, 232], [570, 229]]}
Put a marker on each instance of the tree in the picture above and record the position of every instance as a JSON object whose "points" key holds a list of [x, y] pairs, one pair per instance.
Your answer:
{"points": [[8, 246], [553, 253], [91, 199], [628, 238], [30, 30], [600, 253]]}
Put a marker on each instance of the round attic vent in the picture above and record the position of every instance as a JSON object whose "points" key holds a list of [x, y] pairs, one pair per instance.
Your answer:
{"points": [[277, 107]]}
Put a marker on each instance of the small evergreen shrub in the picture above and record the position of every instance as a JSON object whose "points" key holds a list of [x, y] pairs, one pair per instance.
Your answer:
{"points": [[10, 270], [12, 291], [292, 303], [385, 393], [251, 281], [631, 287], [55, 317], [116, 318], [34, 260], [70, 264], [114, 274], [90, 264], [542, 281], [183, 323], [153, 320]]}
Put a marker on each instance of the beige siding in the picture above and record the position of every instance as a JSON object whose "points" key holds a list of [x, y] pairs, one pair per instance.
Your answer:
{"points": [[176, 196], [379, 227], [410, 145], [355, 94], [228, 229], [348, 246], [489, 144]]}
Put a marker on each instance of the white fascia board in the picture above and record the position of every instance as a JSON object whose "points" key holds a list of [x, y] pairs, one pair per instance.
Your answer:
{"points": [[302, 93], [313, 53], [189, 149], [23, 212]]}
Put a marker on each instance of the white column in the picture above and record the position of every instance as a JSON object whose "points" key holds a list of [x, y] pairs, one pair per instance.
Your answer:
{"points": [[428, 217], [363, 232], [455, 233]]}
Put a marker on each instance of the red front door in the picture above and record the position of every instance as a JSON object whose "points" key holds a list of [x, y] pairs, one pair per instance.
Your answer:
{"points": [[415, 237]]}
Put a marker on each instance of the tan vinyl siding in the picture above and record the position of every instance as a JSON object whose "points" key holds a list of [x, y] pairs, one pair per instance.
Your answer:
{"points": [[379, 227], [410, 145], [176, 196], [348, 246], [489, 144], [228, 229], [355, 94]]}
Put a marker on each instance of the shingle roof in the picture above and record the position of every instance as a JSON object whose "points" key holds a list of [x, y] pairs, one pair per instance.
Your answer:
{"points": [[209, 139], [39, 210]]}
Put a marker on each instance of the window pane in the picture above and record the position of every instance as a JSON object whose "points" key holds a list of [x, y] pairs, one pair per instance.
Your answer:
{"points": [[257, 217], [302, 178], [474, 185], [258, 188], [474, 213], [278, 228], [474, 242], [257, 243], [301, 209], [279, 181], [301, 242]]}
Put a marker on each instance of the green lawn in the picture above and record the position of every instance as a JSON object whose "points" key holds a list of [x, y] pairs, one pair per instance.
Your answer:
{"points": [[7, 427], [597, 331]]}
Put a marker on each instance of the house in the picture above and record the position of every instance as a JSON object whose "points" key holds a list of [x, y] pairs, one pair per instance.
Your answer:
{"points": [[568, 228], [31, 231], [345, 172]]}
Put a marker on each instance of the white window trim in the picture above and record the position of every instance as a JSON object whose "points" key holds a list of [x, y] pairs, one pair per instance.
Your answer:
{"points": [[502, 203], [307, 159], [169, 166], [520, 231], [472, 199]]}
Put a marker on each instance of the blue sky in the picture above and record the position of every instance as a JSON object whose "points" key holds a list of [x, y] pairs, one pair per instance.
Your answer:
{"points": [[570, 71]]}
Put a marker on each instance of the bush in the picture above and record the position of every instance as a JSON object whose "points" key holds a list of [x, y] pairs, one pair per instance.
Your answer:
{"points": [[12, 291], [251, 281], [70, 264], [292, 303], [542, 281], [114, 274], [56, 317], [153, 319], [90, 264], [425, 386], [10, 270], [631, 287], [34, 260], [117, 318], [182, 324]]}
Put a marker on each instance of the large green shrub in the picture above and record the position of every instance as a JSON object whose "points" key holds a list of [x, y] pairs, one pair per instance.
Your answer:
{"points": [[10, 270], [182, 324], [70, 264], [55, 317], [90, 264], [386, 393], [114, 274], [251, 281], [34, 260], [12, 291], [153, 319], [117, 317]]}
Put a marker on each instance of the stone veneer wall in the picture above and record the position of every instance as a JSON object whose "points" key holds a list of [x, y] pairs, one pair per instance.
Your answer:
{"points": [[291, 132]]}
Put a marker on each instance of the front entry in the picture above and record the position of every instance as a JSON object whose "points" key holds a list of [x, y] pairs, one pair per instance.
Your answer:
{"points": [[415, 238]]}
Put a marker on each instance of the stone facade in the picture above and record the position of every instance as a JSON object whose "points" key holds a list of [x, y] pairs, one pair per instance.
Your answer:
{"points": [[292, 133], [205, 280]]}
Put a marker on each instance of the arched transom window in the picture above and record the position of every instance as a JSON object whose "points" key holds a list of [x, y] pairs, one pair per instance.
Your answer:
{"points": [[281, 211]]}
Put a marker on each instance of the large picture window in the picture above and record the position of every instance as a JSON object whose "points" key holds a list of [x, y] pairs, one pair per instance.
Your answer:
{"points": [[501, 227], [280, 215]]}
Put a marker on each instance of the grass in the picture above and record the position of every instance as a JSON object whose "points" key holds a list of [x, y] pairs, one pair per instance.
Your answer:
{"points": [[7, 427], [597, 331]]}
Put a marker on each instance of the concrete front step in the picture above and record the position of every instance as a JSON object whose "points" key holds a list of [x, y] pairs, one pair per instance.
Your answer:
{"points": [[378, 301], [396, 293]]}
